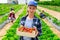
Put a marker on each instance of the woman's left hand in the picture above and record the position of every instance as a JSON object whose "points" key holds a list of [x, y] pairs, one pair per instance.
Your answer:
{"points": [[36, 31]]}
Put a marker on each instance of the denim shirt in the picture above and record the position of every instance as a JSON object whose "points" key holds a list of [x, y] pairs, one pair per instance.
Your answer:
{"points": [[36, 23]]}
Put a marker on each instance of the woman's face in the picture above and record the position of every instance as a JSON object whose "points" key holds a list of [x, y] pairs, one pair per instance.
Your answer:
{"points": [[31, 9]]}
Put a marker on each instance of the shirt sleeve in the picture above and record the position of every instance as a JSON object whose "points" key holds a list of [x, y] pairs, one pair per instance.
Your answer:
{"points": [[22, 21], [39, 28]]}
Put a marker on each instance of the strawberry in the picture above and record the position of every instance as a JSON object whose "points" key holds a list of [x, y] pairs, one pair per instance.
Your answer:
{"points": [[18, 29]]}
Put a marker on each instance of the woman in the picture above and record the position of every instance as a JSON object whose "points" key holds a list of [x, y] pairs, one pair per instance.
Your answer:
{"points": [[42, 15], [12, 15], [31, 21]]}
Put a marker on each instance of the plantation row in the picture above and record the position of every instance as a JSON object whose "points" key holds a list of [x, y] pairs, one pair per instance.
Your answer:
{"points": [[53, 2], [5, 8], [47, 34], [55, 8], [53, 19], [11, 33], [4, 18]]}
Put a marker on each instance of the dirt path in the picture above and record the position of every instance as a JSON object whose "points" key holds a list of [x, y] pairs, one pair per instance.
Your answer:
{"points": [[0, 16], [7, 26], [55, 31], [51, 12]]}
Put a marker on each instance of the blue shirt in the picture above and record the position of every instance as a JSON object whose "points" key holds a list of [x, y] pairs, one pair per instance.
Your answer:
{"points": [[28, 23]]}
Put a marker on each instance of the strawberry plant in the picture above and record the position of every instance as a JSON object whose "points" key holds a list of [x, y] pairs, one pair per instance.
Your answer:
{"points": [[47, 34], [11, 33], [4, 18], [54, 20]]}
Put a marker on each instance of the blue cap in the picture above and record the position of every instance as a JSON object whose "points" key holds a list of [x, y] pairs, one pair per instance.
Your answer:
{"points": [[34, 3]]}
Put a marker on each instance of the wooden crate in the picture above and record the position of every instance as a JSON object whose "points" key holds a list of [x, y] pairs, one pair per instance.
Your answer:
{"points": [[27, 34]]}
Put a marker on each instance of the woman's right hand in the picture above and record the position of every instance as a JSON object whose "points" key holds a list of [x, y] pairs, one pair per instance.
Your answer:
{"points": [[21, 26]]}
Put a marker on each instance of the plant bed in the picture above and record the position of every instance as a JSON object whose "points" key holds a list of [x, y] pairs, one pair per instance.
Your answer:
{"points": [[57, 27], [4, 20], [53, 19], [47, 34], [11, 33], [5, 8], [54, 8]]}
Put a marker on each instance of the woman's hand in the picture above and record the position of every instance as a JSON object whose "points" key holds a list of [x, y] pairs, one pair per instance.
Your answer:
{"points": [[36, 31]]}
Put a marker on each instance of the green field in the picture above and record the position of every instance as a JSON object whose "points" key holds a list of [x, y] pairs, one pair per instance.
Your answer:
{"points": [[47, 34], [11, 33], [55, 8], [4, 18], [5, 8], [53, 19]]}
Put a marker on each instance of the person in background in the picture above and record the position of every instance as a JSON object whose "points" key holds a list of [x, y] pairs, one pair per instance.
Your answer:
{"points": [[42, 15], [31, 21], [12, 15]]}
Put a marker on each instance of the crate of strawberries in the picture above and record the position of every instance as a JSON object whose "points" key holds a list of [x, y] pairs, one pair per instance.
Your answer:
{"points": [[28, 32]]}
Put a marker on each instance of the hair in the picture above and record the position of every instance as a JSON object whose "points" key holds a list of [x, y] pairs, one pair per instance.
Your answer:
{"points": [[32, 5], [12, 9]]}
